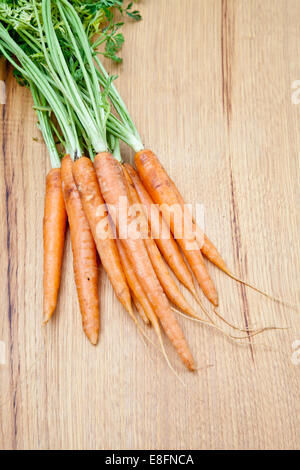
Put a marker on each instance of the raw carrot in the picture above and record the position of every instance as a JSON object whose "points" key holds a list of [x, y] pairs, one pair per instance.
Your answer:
{"points": [[140, 310], [212, 254], [166, 280], [141, 302], [113, 187], [215, 257], [55, 219], [167, 246], [84, 255], [134, 284], [158, 186], [96, 213], [207, 247], [169, 285]]}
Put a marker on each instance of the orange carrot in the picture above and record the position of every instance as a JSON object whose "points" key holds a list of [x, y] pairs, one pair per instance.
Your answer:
{"points": [[84, 255], [166, 280], [207, 247], [158, 186], [215, 257], [55, 219], [96, 213], [167, 246], [140, 310], [113, 187], [211, 252], [134, 284], [141, 301]]}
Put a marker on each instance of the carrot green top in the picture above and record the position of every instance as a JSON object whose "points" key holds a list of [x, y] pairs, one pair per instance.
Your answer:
{"points": [[52, 43]]}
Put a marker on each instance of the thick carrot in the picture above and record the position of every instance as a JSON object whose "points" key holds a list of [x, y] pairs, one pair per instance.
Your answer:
{"points": [[113, 187], [84, 254], [158, 186], [167, 246], [96, 213], [55, 219], [166, 280]]}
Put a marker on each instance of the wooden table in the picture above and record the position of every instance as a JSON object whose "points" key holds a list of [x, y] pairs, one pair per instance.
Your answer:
{"points": [[210, 86]]}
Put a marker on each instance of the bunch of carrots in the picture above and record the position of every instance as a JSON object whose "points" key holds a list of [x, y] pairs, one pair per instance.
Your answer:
{"points": [[52, 45]]}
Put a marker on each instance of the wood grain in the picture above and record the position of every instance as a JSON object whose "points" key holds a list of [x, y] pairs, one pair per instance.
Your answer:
{"points": [[209, 84]]}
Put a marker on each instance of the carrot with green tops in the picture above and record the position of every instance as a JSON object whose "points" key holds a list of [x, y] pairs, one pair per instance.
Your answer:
{"points": [[55, 219], [158, 186], [96, 213], [113, 187], [84, 254]]}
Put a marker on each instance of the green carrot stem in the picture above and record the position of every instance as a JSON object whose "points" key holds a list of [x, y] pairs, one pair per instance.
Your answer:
{"points": [[45, 126]]}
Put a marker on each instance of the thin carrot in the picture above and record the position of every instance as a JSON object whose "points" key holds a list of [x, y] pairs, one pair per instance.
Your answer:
{"points": [[55, 219], [141, 301], [113, 187], [140, 310], [84, 255], [96, 213], [211, 252], [166, 280], [134, 284], [158, 186], [163, 277], [167, 246], [206, 246]]}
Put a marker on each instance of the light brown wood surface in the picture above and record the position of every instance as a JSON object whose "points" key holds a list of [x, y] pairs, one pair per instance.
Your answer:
{"points": [[209, 84]]}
